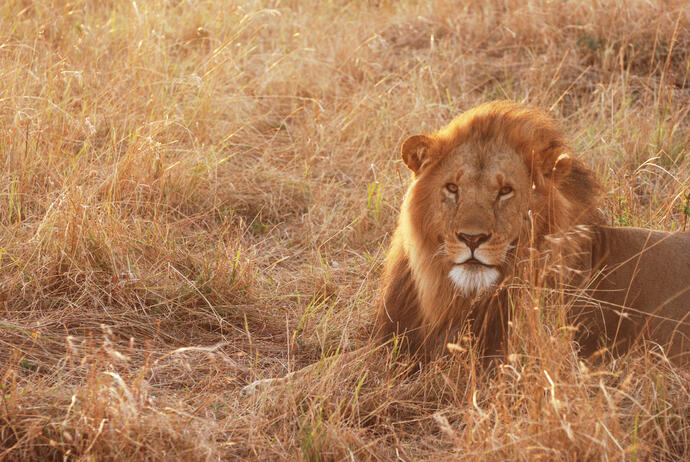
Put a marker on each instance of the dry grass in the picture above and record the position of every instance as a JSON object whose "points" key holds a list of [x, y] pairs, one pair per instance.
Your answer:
{"points": [[197, 194]]}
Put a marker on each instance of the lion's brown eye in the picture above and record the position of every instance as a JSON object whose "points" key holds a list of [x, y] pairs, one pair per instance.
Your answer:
{"points": [[452, 188], [504, 191]]}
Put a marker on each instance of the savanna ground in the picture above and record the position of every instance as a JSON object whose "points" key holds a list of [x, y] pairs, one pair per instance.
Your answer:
{"points": [[198, 194]]}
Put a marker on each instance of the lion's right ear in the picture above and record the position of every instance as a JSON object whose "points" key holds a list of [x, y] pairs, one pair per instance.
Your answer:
{"points": [[416, 152]]}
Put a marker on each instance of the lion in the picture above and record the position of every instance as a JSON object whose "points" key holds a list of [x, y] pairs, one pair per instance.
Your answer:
{"points": [[498, 192], [491, 189]]}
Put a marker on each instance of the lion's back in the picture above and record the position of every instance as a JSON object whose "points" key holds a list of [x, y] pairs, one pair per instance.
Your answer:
{"points": [[645, 275]]}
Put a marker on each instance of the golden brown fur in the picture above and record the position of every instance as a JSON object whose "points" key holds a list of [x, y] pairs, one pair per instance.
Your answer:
{"points": [[640, 289], [495, 183]]}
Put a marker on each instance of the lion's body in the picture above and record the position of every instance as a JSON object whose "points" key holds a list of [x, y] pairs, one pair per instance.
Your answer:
{"points": [[645, 275], [496, 193]]}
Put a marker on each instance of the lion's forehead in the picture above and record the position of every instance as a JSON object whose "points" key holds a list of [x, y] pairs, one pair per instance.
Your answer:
{"points": [[474, 165]]}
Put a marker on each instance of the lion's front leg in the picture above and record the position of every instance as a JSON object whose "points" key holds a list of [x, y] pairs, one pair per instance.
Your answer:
{"points": [[326, 366]]}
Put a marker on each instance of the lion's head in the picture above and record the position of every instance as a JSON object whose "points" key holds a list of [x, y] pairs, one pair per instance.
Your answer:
{"points": [[496, 180]]}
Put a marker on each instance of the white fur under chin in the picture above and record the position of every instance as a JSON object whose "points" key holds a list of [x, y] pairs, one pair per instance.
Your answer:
{"points": [[473, 279]]}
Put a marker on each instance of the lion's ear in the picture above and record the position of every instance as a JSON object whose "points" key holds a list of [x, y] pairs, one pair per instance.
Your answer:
{"points": [[558, 168], [416, 152]]}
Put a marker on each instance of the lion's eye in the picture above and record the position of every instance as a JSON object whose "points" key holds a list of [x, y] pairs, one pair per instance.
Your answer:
{"points": [[504, 191], [452, 188]]}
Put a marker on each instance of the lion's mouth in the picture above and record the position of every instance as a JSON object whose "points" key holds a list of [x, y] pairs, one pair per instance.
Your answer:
{"points": [[472, 261]]}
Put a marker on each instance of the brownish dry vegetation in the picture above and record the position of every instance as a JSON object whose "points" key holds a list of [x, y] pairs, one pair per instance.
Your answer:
{"points": [[198, 194]]}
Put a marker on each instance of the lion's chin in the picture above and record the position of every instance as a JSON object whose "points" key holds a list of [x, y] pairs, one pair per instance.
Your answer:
{"points": [[473, 279]]}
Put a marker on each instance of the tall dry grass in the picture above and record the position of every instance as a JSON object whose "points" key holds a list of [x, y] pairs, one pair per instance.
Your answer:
{"points": [[198, 194]]}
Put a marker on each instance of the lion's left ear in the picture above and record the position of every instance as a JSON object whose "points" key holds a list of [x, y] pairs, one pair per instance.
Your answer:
{"points": [[557, 167], [416, 151]]}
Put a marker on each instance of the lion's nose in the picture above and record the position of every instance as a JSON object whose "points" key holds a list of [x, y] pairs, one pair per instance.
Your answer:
{"points": [[473, 240]]}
